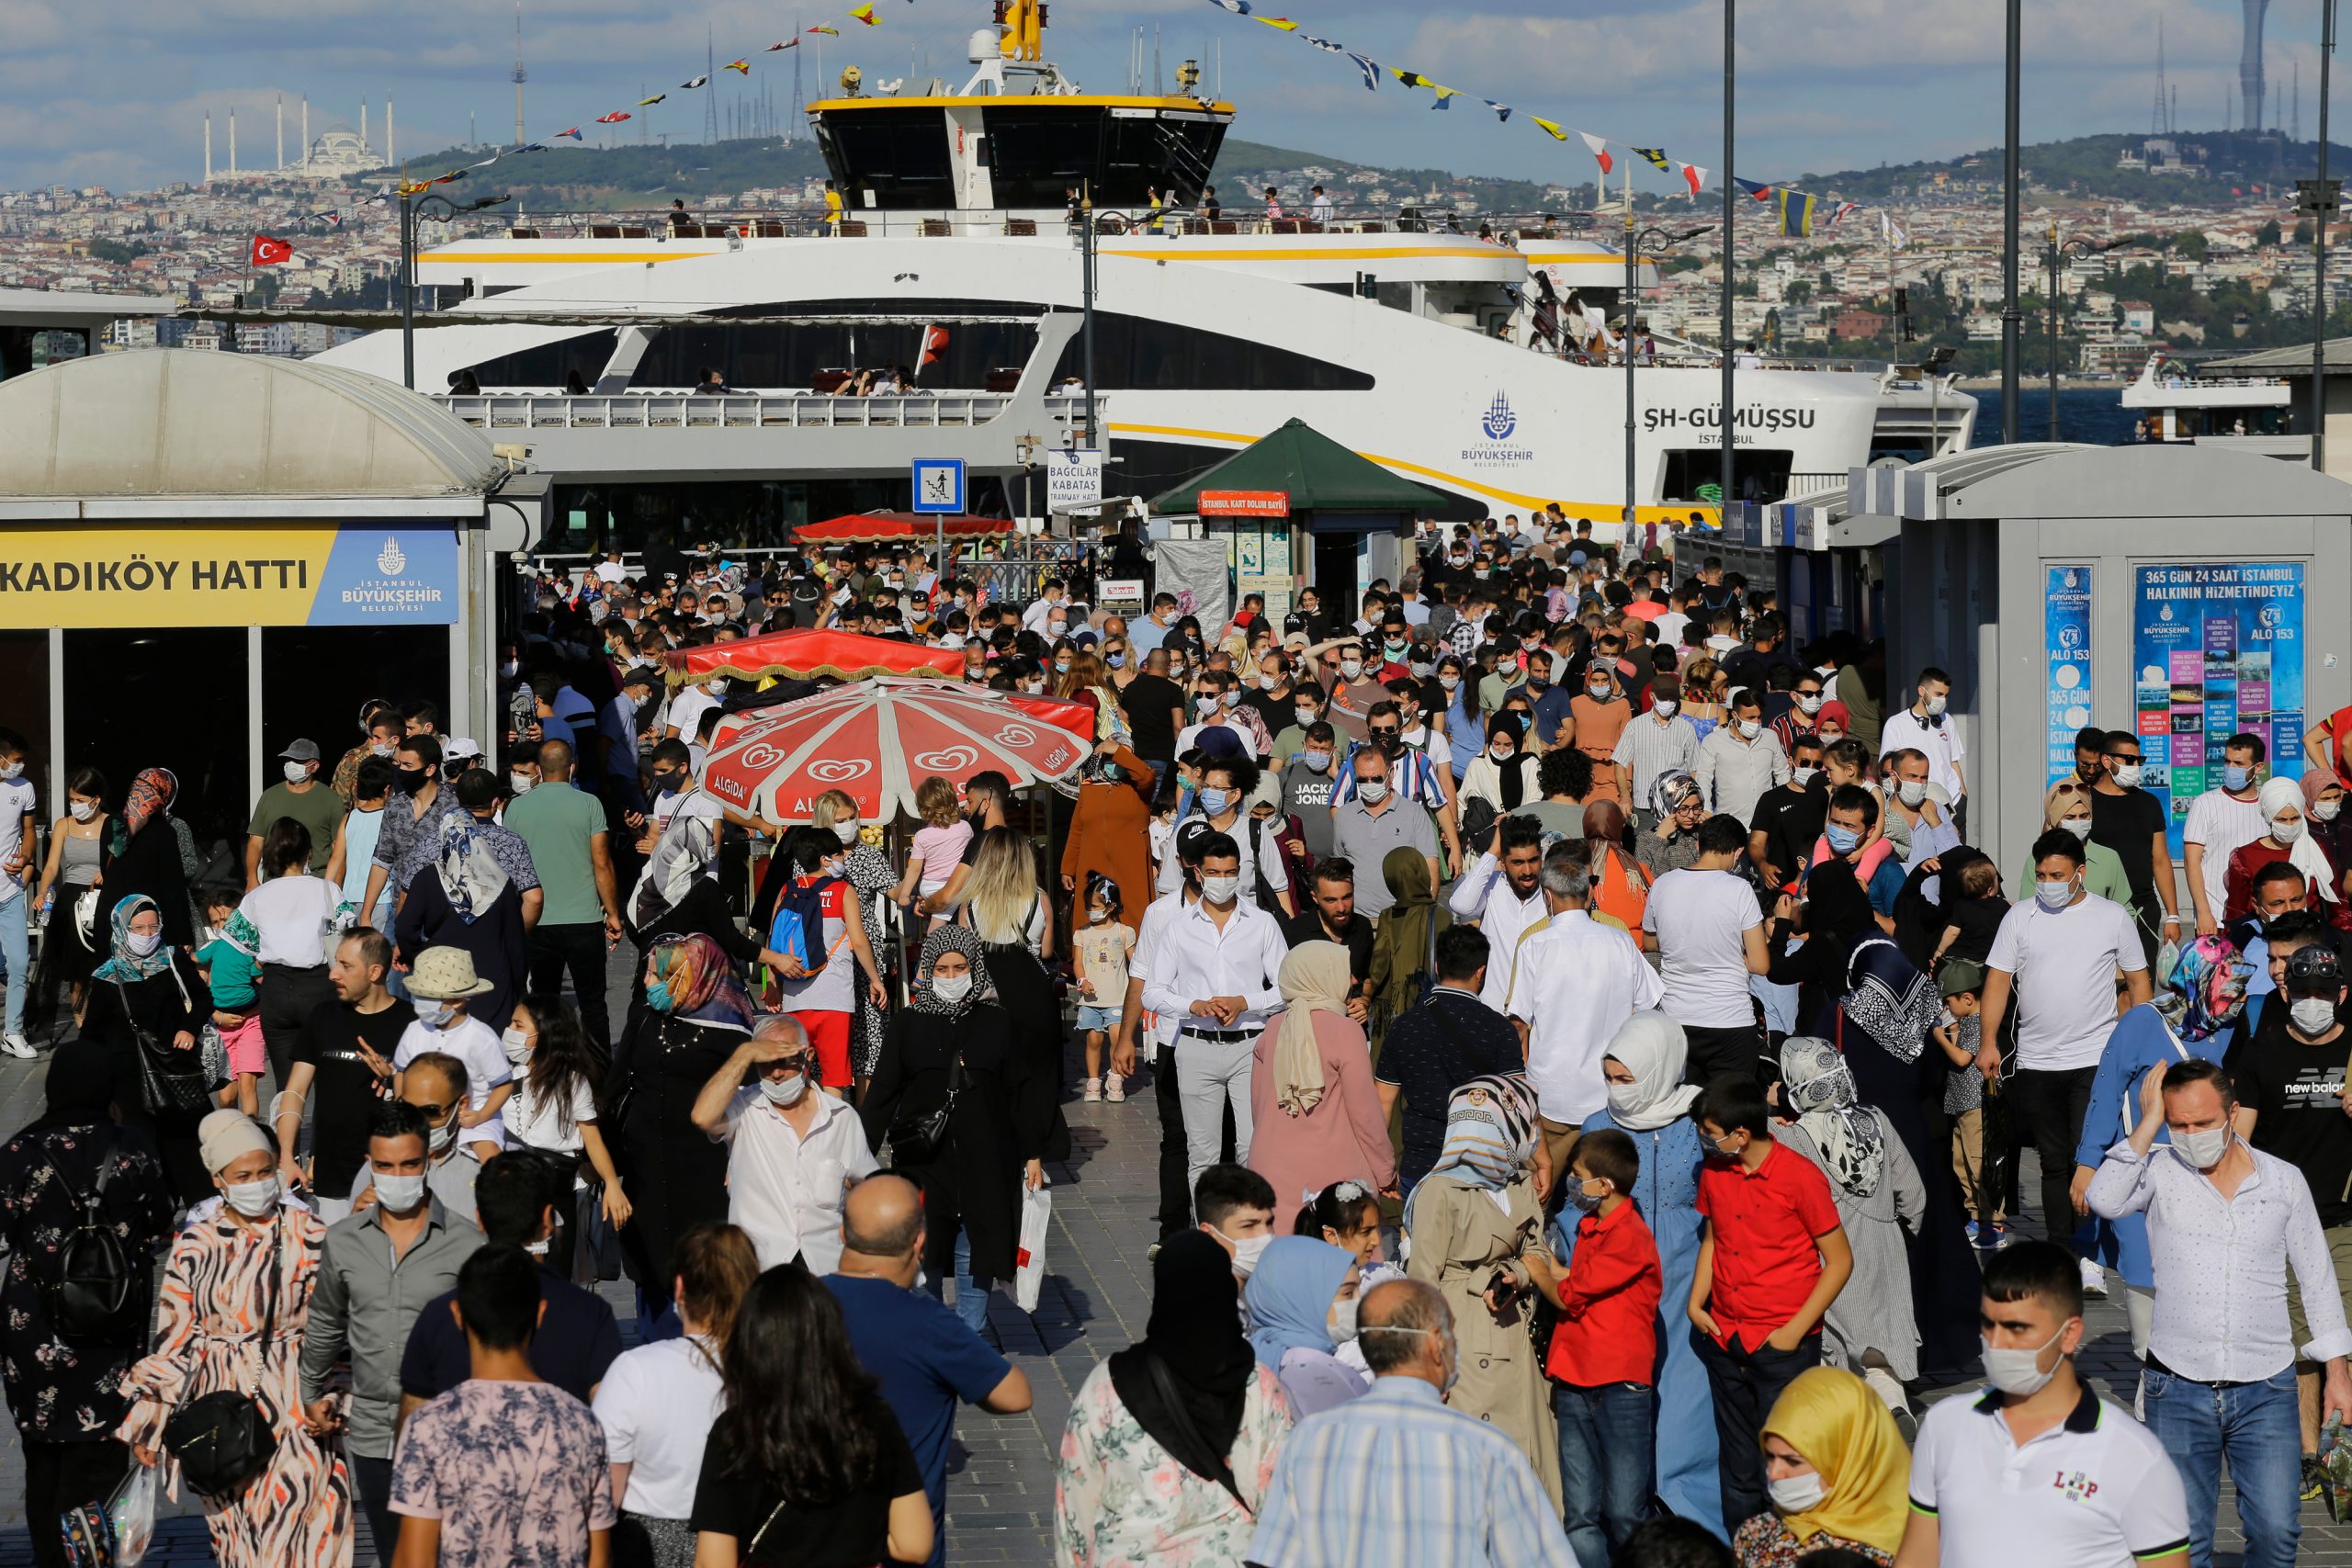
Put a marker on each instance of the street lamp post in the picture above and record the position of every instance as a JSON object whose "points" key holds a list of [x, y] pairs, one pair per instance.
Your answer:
{"points": [[2323, 200], [1633, 244], [2010, 177], [2053, 255], [1731, 246], [410, 208]]}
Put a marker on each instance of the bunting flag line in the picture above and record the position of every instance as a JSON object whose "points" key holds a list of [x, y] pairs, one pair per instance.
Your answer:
{"points": [[1656, 158], [1694, 176], [1325, 45], [1444, 94], [656, 98], [613, 118], [690, 82], [866, 14], [1760, 192], [1411, 78], [1284, 23], [1371, 73], [1551, 127], [1796, 215], [1837, 213], [1239, 7], [743, 66], [788, 43], [829, 32], [1502, 111], [573, 133]]}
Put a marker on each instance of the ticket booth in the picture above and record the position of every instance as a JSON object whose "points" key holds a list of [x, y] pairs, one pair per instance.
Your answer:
{"points": [[2188, 592]]}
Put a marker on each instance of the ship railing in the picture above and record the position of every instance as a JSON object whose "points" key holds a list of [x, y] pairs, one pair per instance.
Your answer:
{"points": [[763, 411], [737, 227]]}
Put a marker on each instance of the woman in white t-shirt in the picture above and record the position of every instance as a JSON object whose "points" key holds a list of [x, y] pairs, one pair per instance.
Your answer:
{"points": [[658, 1402], [296, 915], [552, 1114]]}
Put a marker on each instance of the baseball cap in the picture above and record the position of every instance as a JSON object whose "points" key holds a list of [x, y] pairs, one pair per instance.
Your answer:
{"points": [[2313, 970], [461, 747], [301, 752], [1959, 975]]}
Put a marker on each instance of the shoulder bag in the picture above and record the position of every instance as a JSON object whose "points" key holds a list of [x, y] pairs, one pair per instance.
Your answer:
{"points": [[223, 1439], [170, 1082], [921, 1140]]}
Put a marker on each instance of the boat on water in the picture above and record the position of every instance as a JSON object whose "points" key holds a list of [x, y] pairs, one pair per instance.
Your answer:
{"points": [[2173, 401], [1472, 354]]}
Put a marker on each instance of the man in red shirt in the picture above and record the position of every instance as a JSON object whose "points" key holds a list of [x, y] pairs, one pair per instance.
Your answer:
{"points": [[1604, 1349], [1771, 1259]]}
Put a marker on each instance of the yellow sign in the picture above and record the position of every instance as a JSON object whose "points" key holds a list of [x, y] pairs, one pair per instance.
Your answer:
{"points": [[264, 575]]}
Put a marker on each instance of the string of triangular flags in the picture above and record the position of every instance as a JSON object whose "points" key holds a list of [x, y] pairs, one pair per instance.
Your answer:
{"points": [[864, 15], [1799, 211]]}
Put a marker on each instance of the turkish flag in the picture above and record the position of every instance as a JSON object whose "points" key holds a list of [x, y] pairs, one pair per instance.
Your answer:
{"points": [[934, 343], [270, 253]]}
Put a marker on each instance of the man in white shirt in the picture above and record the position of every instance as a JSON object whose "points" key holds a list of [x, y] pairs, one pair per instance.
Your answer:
{"points": [[2040, 1470], [1321, 208], [1503, 896], [2058, 954], [1214, 969], [1175, 1191], [1926, 728], [685, 720], [2220, 821], [1051, 601], [1708, 931], [2225, 1223], [1575, 982], [793, 1150]]}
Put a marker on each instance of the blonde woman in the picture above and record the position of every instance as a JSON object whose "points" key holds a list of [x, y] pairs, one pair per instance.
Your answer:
{"points": [[1702, 695], [1086, 681], [1002, 901]]}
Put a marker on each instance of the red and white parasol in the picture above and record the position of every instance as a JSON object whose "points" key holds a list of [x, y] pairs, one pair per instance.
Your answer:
{"points": [[878, 738]]}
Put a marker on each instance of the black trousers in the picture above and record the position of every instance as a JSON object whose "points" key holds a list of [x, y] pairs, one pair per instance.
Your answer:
{"points": [[1715, 1051], [372, 1479], [59, 1476], [580, 949], [289, 998], [1745, 1384], [2046, 1111]]}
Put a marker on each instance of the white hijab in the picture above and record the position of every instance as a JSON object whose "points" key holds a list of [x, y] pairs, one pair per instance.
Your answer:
{"points": [[1653, 1048], [2303, 854]]}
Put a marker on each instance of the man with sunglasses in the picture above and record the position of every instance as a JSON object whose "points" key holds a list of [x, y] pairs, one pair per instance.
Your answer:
{"points": [[793, 1148], [2130, 821]]}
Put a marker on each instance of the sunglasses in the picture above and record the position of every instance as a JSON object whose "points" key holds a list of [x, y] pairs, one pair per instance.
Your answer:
{"points": [[789, 1064]]}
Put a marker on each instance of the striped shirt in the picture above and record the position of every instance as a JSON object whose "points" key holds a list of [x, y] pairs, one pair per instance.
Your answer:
{"points": [[1397, 1480], [1410, 770], [1649, 748]]}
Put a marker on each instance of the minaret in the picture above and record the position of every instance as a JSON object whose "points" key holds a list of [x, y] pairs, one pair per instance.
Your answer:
{"points": [[389, 156], [363, 123], [519, 73], [207, 146], [306, 129], [233, 141], [281, 130]]}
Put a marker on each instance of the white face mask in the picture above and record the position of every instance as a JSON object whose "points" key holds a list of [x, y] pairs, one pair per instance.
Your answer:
{"points": [[2053, 896], [399, 1194], [716, 685], [11, 770], [2078, 826], [951, 988], [1305, 716], [253, 1199], [520, 784], [1096, 914], [2325, 810], [144, 943], [1624, 1097], [2287, 832], [296, 772], [83, 810], [1795, 1494], [846, 829], [1351, 668], [1374, 791], [1803, 775], [1220, 889], [2019, 1371], [1808, 701], [784, 1092], [2312, 1016], [1664, 708], [1750, 728], [1935, 706], [1343, 1320], [1247, 1253], [518, 1045], [1268, 682], [2128, 775], [2204, 1147], [434, 1014], [1912, 790]]}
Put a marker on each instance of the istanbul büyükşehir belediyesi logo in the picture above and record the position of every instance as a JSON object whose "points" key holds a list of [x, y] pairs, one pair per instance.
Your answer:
{"points": [[390, 560], [1499, 420]]}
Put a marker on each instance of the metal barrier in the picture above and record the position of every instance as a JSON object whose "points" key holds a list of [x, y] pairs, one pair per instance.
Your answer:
{"points": [[695, 411]]}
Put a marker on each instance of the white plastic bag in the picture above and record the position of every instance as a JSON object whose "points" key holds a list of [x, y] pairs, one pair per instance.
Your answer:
{"points": [[1029, 1273]]}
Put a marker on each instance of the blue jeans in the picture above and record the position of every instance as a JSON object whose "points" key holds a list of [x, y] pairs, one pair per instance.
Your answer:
{"points": [[14, 947], [971, 1293], [1607, 1437], [2253, 1426]]}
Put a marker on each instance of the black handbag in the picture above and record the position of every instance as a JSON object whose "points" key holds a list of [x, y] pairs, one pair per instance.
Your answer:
{"points": [[170, 1082], [223, 1439], [921, 1140]]}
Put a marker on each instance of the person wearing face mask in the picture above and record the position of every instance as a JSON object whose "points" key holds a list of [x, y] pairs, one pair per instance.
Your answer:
{"points": [[819, 985], [793, 1148], [2220, 1385], [2220, 820], [1924, 727], [149, 1004], [374, 1275], [380, 734], [1305, 710], [1835, 1466], [1599, 717], [2069, 807], [2128, 820], [1657, 743], [868, 871], [1789, 819], [411, 834], [2287, 838], [1302, 1304], [302, 798], [553, 1116], [76, 845], [256, 1260]]}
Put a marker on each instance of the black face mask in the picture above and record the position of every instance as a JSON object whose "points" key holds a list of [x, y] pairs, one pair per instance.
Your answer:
{"points": [[665, 781], [412, 780]]}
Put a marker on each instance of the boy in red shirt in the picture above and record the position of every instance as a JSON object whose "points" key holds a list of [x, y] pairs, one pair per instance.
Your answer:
{"points": [[1604, 1352], [1771, 1259]]}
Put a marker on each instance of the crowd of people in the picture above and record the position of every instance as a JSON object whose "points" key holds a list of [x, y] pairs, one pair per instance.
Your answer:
{"points": [[1592, 1063]]}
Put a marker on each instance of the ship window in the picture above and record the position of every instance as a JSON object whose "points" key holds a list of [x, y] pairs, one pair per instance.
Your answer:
{"points": [[786, 358], [549, 364], [1137, 354], [1758, 475], [900, 154], [1037, 152]]}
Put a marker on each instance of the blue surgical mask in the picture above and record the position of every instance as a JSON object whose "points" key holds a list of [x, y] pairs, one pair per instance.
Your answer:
{"points": [[1115, 660], [1214, 801], [2234, 777], [1842, 839], [656, 996]]}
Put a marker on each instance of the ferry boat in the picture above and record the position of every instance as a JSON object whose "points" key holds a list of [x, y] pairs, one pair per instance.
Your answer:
{"points": [[2172, 401], [1442, 347]]}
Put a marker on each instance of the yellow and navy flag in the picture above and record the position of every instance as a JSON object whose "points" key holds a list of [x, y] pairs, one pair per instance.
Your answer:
{"points": [[1656, 158], [1797, 214], [1412, 78]]}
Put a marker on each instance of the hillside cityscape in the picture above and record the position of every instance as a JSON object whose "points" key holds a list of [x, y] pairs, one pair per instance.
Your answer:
{"points": [[2185, 243]]}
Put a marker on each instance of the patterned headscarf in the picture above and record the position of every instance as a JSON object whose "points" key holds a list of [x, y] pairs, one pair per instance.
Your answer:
{"points": [[696, 983], [1819, 1087], [151, 797], [470, 875], [685, 852], [1672, 787], [126, 965], [1489, 1131], [952, 939], [1890, 998], [2210, 978]]}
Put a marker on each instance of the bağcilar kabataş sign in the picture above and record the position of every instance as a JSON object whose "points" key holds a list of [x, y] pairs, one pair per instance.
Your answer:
{"points": [[313, 574], [1244, 504]]}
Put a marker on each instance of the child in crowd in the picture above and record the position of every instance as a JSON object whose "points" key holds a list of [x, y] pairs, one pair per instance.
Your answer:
{"points": [[1604, 1349], [1165, 799], [1972, 920], [438, 986], [939, 843], [1956, 1035], [233, 970], [1100, 954]]}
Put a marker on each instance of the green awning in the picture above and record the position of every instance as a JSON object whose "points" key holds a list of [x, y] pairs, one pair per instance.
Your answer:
{"points": [[1319, 475]]}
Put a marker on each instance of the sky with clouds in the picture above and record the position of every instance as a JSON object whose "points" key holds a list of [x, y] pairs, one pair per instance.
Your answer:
{"points": [[114, 90]]}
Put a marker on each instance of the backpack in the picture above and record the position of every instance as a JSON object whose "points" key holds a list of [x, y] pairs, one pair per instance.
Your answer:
{"points": [[95, 1294], [798, 930]]}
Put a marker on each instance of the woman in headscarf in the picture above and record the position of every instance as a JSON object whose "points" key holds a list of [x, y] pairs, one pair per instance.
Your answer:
{"points": [[1109, 828], [1673, 843], [678, 897], [66, 1393], [1315, 1112], [1171, 1442], [2192, 1017], [148, 1009], [2287, 838], [2323, 817], [1404, 939], [1649, 1103], [1839, 1470], [2068, 806], [1870, 1329], [463, 897], [1620, 889], [143, 856], [1302, 1299], [1472, 1217], [1503, 775], [1601, 713], [952, 1045], [695, 1015]]}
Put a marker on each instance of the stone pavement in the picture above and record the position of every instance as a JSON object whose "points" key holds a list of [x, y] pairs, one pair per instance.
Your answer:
{"points": [[1096, 1297]]}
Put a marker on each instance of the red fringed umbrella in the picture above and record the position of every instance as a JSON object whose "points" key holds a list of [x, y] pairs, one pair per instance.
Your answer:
{"points": [[808, 652]]}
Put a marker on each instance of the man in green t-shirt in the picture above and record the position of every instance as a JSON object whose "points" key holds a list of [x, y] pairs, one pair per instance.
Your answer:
{"points": [[304, 798], [581, 921]]}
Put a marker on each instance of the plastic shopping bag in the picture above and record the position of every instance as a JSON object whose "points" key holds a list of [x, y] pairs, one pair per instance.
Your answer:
{"points": [[1029, 1274], [117, 1532]]}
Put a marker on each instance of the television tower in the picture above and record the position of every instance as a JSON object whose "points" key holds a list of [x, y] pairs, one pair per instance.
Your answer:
{"points": [[2157, 123], [793, 110], [2250, 87], [519, 73], [710, 95]]}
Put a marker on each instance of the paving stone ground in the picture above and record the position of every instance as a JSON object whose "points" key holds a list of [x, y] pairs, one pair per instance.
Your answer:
{"points": [[1097, 1295]]}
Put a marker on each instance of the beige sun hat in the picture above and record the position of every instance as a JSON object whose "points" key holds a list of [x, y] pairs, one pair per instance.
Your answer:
{"points": [[446, 975]]}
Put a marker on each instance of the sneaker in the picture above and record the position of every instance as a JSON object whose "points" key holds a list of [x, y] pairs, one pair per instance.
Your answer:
{"points": [[2094, 1279], [1888, 1388], [1115, 1089], [1092, 1089], [1975, 1237], [17, 1045]]}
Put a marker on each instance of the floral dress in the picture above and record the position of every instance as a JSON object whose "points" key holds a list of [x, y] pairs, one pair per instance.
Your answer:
{"points": [[62, 1391], [1764, 1542], [869, 873], [1122, 1501], [216, 1294]]}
